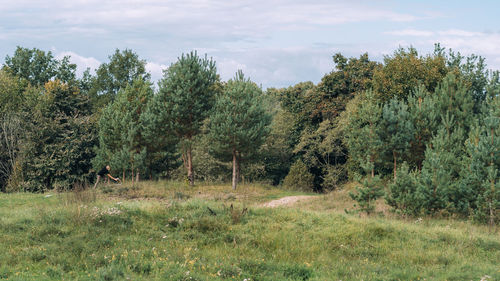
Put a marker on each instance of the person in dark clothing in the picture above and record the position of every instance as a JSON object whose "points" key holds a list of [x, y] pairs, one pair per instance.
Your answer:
{"points": [[104, 172]]}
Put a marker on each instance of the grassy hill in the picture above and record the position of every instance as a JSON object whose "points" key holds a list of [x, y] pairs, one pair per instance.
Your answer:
{"points": [[166, 231]]}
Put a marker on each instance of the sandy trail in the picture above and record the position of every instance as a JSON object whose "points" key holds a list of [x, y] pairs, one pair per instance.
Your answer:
{"points": [[286, 201]]}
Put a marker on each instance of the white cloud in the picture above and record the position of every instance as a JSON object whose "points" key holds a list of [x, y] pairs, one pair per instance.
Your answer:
{"points": [[411, 32], [156, 70], [81, 62], [464, 41], [459, 33]]}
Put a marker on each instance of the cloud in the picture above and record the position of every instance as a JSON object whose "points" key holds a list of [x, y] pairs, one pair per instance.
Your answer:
{"points": [[81, 62], [411, 32], [156, 70], [466, 42], [238, 20], [277, 67]]}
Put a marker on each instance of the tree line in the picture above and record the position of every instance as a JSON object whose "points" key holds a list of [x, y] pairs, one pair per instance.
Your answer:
{"points": [[420, 130]]}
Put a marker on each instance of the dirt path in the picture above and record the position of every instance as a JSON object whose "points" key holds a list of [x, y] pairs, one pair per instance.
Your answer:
{"points": [[286, 201]]}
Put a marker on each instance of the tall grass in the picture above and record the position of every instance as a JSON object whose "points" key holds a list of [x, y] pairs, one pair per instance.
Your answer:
{"points": [[197, 237]]}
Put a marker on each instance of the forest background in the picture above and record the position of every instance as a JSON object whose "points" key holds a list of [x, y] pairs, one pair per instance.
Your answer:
{"points": [[423, 131]]}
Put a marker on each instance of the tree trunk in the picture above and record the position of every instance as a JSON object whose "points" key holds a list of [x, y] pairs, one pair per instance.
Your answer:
{"points": [[132, 178], [235, 170], [137, 176], [190, 166], [373, 166], [395, 166], [123, 177], [238, 169]]}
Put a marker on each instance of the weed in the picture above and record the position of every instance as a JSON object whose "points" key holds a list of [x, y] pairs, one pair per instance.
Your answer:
{"points": [[181, 196], [79, 196], [297, 272], [237, 215]]}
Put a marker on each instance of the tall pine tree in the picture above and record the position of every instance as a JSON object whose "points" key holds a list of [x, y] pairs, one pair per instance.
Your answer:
{"points": [[185, 98], [398, 130], [122, 142], [239, 122]]}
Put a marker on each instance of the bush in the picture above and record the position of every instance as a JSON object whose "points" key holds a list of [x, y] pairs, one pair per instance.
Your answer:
{"points": [[299, 177], [370, 190], [401, 195], [334, 177]]}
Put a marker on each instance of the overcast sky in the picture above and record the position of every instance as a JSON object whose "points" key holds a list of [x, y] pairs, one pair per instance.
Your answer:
{"points": [[277, 43]]}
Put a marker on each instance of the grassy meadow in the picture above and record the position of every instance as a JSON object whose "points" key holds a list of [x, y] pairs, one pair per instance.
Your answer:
{"points": [[168, 231]]}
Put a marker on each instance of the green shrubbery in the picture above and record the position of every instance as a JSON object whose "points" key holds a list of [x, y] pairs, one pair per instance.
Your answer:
{"points": [[299, 177]]}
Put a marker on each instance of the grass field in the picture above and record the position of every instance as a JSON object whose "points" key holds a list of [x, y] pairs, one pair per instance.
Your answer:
{"points": [[167, 231]]}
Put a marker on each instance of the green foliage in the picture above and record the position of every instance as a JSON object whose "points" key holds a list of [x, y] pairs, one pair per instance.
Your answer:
{"points": [[207, 168], [363, 134], [12, 99], [239, 122], [61, 121], [185, 96], [39, 67], [276, 151], [126, 141], [350, 77], [401, 194], [369, 191], [398, 130], [315, 136], [481, 167], [123, 68], [404, 70], [425, 123], [299, 177]]}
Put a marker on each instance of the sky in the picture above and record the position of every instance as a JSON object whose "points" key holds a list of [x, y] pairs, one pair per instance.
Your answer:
{"points": [[277, 43]]}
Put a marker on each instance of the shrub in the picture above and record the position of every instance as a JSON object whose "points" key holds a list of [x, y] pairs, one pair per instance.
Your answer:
{"points": [[370, 190], [299, 177], [334, 177], [401, 194]]}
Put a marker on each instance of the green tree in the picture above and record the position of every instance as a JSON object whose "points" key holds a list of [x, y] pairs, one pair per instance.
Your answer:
{"points": [[123, 68], [481, 170], [404, 70], [122, 140], [239, 122], [437, 187], [350, 77], [369, 191], [401, 193], [299, 177], [185, 97], [59, 141], [425, 120], [363, 135], [317, 139], [398, 130], [39, 67], [276, 151]]}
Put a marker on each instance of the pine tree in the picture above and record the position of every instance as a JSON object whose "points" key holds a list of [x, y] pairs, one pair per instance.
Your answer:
{"points": [[185, 98], [239, 122], [402, 192], [122, 140], [398, 130], [363, 135], [437, 188], [481, 172], [425, 122], [369, 191]]}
